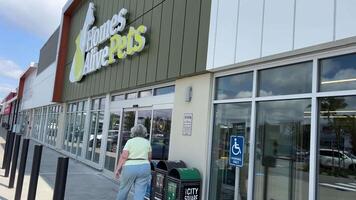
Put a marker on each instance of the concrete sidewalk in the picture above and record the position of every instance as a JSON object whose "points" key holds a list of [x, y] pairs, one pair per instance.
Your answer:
{"points": [[83, 182]]}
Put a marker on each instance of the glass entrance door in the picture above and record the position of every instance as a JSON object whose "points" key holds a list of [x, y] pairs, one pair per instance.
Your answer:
{"points": [[230, 120], [157, 121], [132, 117]]}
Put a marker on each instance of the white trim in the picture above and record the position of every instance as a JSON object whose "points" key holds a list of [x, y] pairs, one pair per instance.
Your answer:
{"points": [[86, 129], [251, 169], [314, 134], [210, 139]]}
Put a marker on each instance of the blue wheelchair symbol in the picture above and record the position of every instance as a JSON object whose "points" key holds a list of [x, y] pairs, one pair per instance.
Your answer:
{"points": [[236, 151]]}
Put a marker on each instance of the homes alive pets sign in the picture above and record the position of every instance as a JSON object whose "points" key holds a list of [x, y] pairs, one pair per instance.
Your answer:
{"points": [[88, 58]]}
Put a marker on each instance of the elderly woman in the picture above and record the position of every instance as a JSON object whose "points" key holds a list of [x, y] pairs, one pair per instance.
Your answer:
{"points": [[133, 168]]}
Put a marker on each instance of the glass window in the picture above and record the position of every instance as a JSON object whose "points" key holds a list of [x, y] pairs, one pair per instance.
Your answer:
{"points": [[164, 90], [118, 97], [146, 93], [291, 79], [102, 104], [161, 132], [282, 149], [128, 121], [337, 160], [131, 95], [234, 86], [95, 129], [95, 104], [144, 118], [75, 126], [111, 146], [229, 120], [338, 73]]}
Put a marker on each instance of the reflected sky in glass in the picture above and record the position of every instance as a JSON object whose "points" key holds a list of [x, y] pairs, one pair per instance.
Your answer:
{"points": [[282, 146], [290, 79], [234, 86], [338, 73]]}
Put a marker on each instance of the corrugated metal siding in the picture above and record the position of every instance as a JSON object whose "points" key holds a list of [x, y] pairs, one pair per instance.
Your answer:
{"points": [[48, 52], [176, 45]]}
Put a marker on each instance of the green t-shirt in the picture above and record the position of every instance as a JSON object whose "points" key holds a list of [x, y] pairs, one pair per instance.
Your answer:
{"points": [[138, 148]]}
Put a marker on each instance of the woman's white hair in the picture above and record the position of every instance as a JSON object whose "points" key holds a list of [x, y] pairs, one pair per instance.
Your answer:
{"points": [[139, 131]]}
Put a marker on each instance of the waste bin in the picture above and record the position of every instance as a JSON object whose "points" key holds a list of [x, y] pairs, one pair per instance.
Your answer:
{"points": [[160, 177], [183, 184], [149, 191]]}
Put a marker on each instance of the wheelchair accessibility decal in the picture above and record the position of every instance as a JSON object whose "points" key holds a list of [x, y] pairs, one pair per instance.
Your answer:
{"points": [[236, 156]]}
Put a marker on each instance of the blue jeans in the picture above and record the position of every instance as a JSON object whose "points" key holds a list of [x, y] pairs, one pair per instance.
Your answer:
{"points": [[137, 176]]}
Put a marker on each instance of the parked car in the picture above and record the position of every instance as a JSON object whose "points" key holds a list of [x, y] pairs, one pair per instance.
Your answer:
{"points": [[336, 158]]}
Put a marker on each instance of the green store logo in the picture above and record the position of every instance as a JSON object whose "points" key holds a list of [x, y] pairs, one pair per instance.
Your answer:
{"points": [[88, 58]]}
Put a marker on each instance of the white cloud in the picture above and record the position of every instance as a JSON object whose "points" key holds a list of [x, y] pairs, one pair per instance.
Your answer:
{"points": [[10, 69], [4, 88], [40, 17]]}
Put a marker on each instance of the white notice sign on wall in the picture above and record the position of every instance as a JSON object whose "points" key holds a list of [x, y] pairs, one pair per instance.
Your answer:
{"points": [[187, 124]]}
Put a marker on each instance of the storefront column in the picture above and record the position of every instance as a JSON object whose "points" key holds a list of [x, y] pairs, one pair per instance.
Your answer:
{"points": [[61, 127], [252, 140], [195, 152], [86, 128], [314, 134], [105, 131]]}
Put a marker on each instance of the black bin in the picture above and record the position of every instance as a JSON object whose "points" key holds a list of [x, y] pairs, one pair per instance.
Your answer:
{"points": [[149, 191], [160, 177], [183, 184]]}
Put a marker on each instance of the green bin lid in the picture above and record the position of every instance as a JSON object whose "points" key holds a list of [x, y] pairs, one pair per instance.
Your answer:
{"points": [[185, 174]]}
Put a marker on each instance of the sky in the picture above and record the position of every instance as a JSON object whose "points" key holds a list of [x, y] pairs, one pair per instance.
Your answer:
{"points": [[25, 26]]}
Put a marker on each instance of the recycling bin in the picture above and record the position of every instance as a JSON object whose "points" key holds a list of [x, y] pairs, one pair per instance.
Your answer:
{"points": [[183, 184], [160, 177], [149, 191]]}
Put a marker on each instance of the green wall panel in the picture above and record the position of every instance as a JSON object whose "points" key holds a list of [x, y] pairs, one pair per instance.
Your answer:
{"points": [[190, 39], [154, 44], [176, 45], [164, 44], [176, 39]]}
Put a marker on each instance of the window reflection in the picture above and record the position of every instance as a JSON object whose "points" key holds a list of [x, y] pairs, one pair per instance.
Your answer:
{"points": [[234, 86], [282, 150], [164, 90], [337, 160], [161, 132], [128, 121], [291, 79], [111, 146], [230, 119], [338, 73]]}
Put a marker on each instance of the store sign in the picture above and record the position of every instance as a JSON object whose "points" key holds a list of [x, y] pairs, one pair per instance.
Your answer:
{"points": [[88, 58], [187, 124], [191, 192], [236, 155]]}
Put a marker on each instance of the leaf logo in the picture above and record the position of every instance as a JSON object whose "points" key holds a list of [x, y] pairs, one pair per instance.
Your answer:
{"points": [[76, 71]]}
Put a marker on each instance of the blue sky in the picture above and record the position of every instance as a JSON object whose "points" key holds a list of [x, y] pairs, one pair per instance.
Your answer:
{"points": [[23, 32]]}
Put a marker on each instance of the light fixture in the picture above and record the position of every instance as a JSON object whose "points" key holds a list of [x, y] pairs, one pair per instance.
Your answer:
{"points": [[339, 81]]}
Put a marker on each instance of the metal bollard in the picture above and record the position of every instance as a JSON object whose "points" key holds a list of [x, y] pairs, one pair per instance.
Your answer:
{"points": [[6, 149], [35, 172], [9, 154], [15, 156], [22, 168], [61, 178]]}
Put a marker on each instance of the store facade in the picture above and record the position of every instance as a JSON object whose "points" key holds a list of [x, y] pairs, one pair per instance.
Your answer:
{"points": [[122, 63], [195, 73], [38, 117], [284, 77]]}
